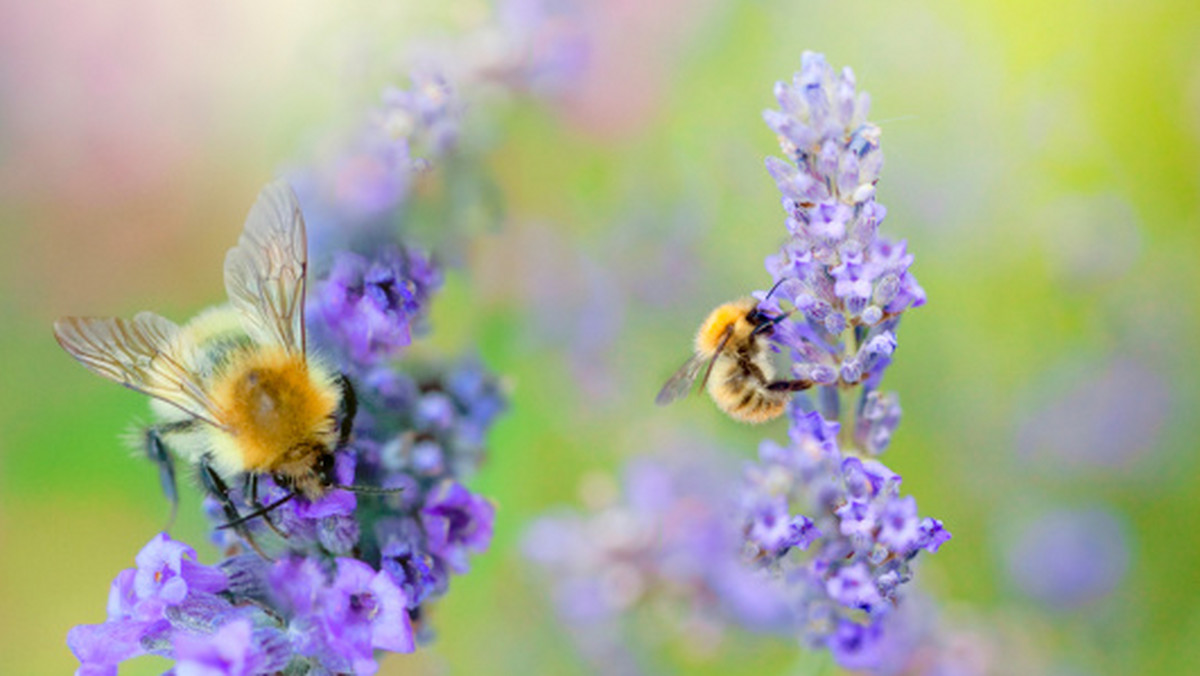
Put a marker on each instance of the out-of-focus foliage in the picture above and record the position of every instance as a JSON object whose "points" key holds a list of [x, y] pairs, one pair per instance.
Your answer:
{"points": [[1041, 159]]}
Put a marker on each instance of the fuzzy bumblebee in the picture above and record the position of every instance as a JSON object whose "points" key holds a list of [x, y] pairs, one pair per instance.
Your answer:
{"points": [[730, 349]]}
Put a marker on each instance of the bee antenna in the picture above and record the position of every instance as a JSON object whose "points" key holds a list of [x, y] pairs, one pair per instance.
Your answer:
{"points": [[369, 490], [776, 286], [257, 513]]}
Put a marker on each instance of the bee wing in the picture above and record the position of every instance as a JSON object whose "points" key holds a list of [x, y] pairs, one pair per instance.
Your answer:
{"points": [[141, 354], [265, 272], [678, 385]]}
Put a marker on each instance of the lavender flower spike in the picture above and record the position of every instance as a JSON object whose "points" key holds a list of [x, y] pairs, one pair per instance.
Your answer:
{"points": [[849, 286], [835, 268]]}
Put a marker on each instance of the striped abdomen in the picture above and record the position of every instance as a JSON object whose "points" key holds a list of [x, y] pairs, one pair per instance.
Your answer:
{"points": [[739, 387]]}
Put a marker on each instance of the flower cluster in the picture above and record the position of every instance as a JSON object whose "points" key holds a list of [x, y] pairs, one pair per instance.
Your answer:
{"points": [[320, 585], [671, 534], [818, 525], [861, 538], [371, 171], [367, 309], [356, 571], [835, 268], [821, 512], [246, 616]]}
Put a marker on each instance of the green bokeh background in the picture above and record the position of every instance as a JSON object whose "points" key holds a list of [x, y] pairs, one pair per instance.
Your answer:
{"points": [[995, 115]]}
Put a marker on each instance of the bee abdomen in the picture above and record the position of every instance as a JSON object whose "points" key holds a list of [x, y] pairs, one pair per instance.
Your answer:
{"points": [[755, 406]]}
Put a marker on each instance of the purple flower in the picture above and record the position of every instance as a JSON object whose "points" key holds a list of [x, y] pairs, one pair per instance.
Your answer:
{"points": [[900, 529], [166, 572], [456, 522], [834, 268], [404, 558], [854, 587], [1068, 558], [932, 535], [363, 611], [101, 647], [775, 532], [167, 590], [235, 649], [856, 646], [368, 307]]}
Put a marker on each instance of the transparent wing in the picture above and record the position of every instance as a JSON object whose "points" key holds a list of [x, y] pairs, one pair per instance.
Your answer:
{"points": [[139, 353], [265, 272], [678, 385]]}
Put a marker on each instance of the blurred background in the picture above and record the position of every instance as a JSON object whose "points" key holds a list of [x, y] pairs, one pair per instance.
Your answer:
{"points": [[1043, 161]]}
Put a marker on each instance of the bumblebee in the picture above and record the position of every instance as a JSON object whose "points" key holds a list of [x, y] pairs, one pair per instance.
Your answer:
{"points": [[234, 391], [730, 348]]}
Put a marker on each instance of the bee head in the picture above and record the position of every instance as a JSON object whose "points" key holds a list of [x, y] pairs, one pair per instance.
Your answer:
{"points": [[763, 322], [324, 469]]}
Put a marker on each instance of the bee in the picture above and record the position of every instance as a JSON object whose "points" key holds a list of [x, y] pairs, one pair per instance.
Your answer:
{"points": [[235, 391], [730, 348]]}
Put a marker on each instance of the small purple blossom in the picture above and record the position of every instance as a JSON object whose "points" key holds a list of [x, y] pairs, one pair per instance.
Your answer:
{"points": [[774, 531], [900, 531], [235, 649], [167, 591], [457, 522], [853, 586], [364, 610], [368, 308], [856, 646]]}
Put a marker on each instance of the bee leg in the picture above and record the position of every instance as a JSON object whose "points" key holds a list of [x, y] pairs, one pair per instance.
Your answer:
{"points": [[789, 385], [216, 487], [156, 450], [348, 409], [252, 491]]}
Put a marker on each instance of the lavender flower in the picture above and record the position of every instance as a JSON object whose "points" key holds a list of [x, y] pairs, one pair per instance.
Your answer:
{"points": [[1068, 558], [235, 649], [673, 534], [148, 602], [369, 178], [367, 308], [819, 524], [848, 285], [355, 572], [835, 268]]}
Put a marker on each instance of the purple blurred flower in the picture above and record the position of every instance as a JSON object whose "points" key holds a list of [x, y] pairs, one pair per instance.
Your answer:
{"points": [[856, 646], [545, 48], [1096, 416], [675, 532], [1067, 558]]}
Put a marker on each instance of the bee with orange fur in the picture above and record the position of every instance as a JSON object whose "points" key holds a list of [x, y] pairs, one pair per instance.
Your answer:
{"points": [[235, 390], [730, 348]]}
